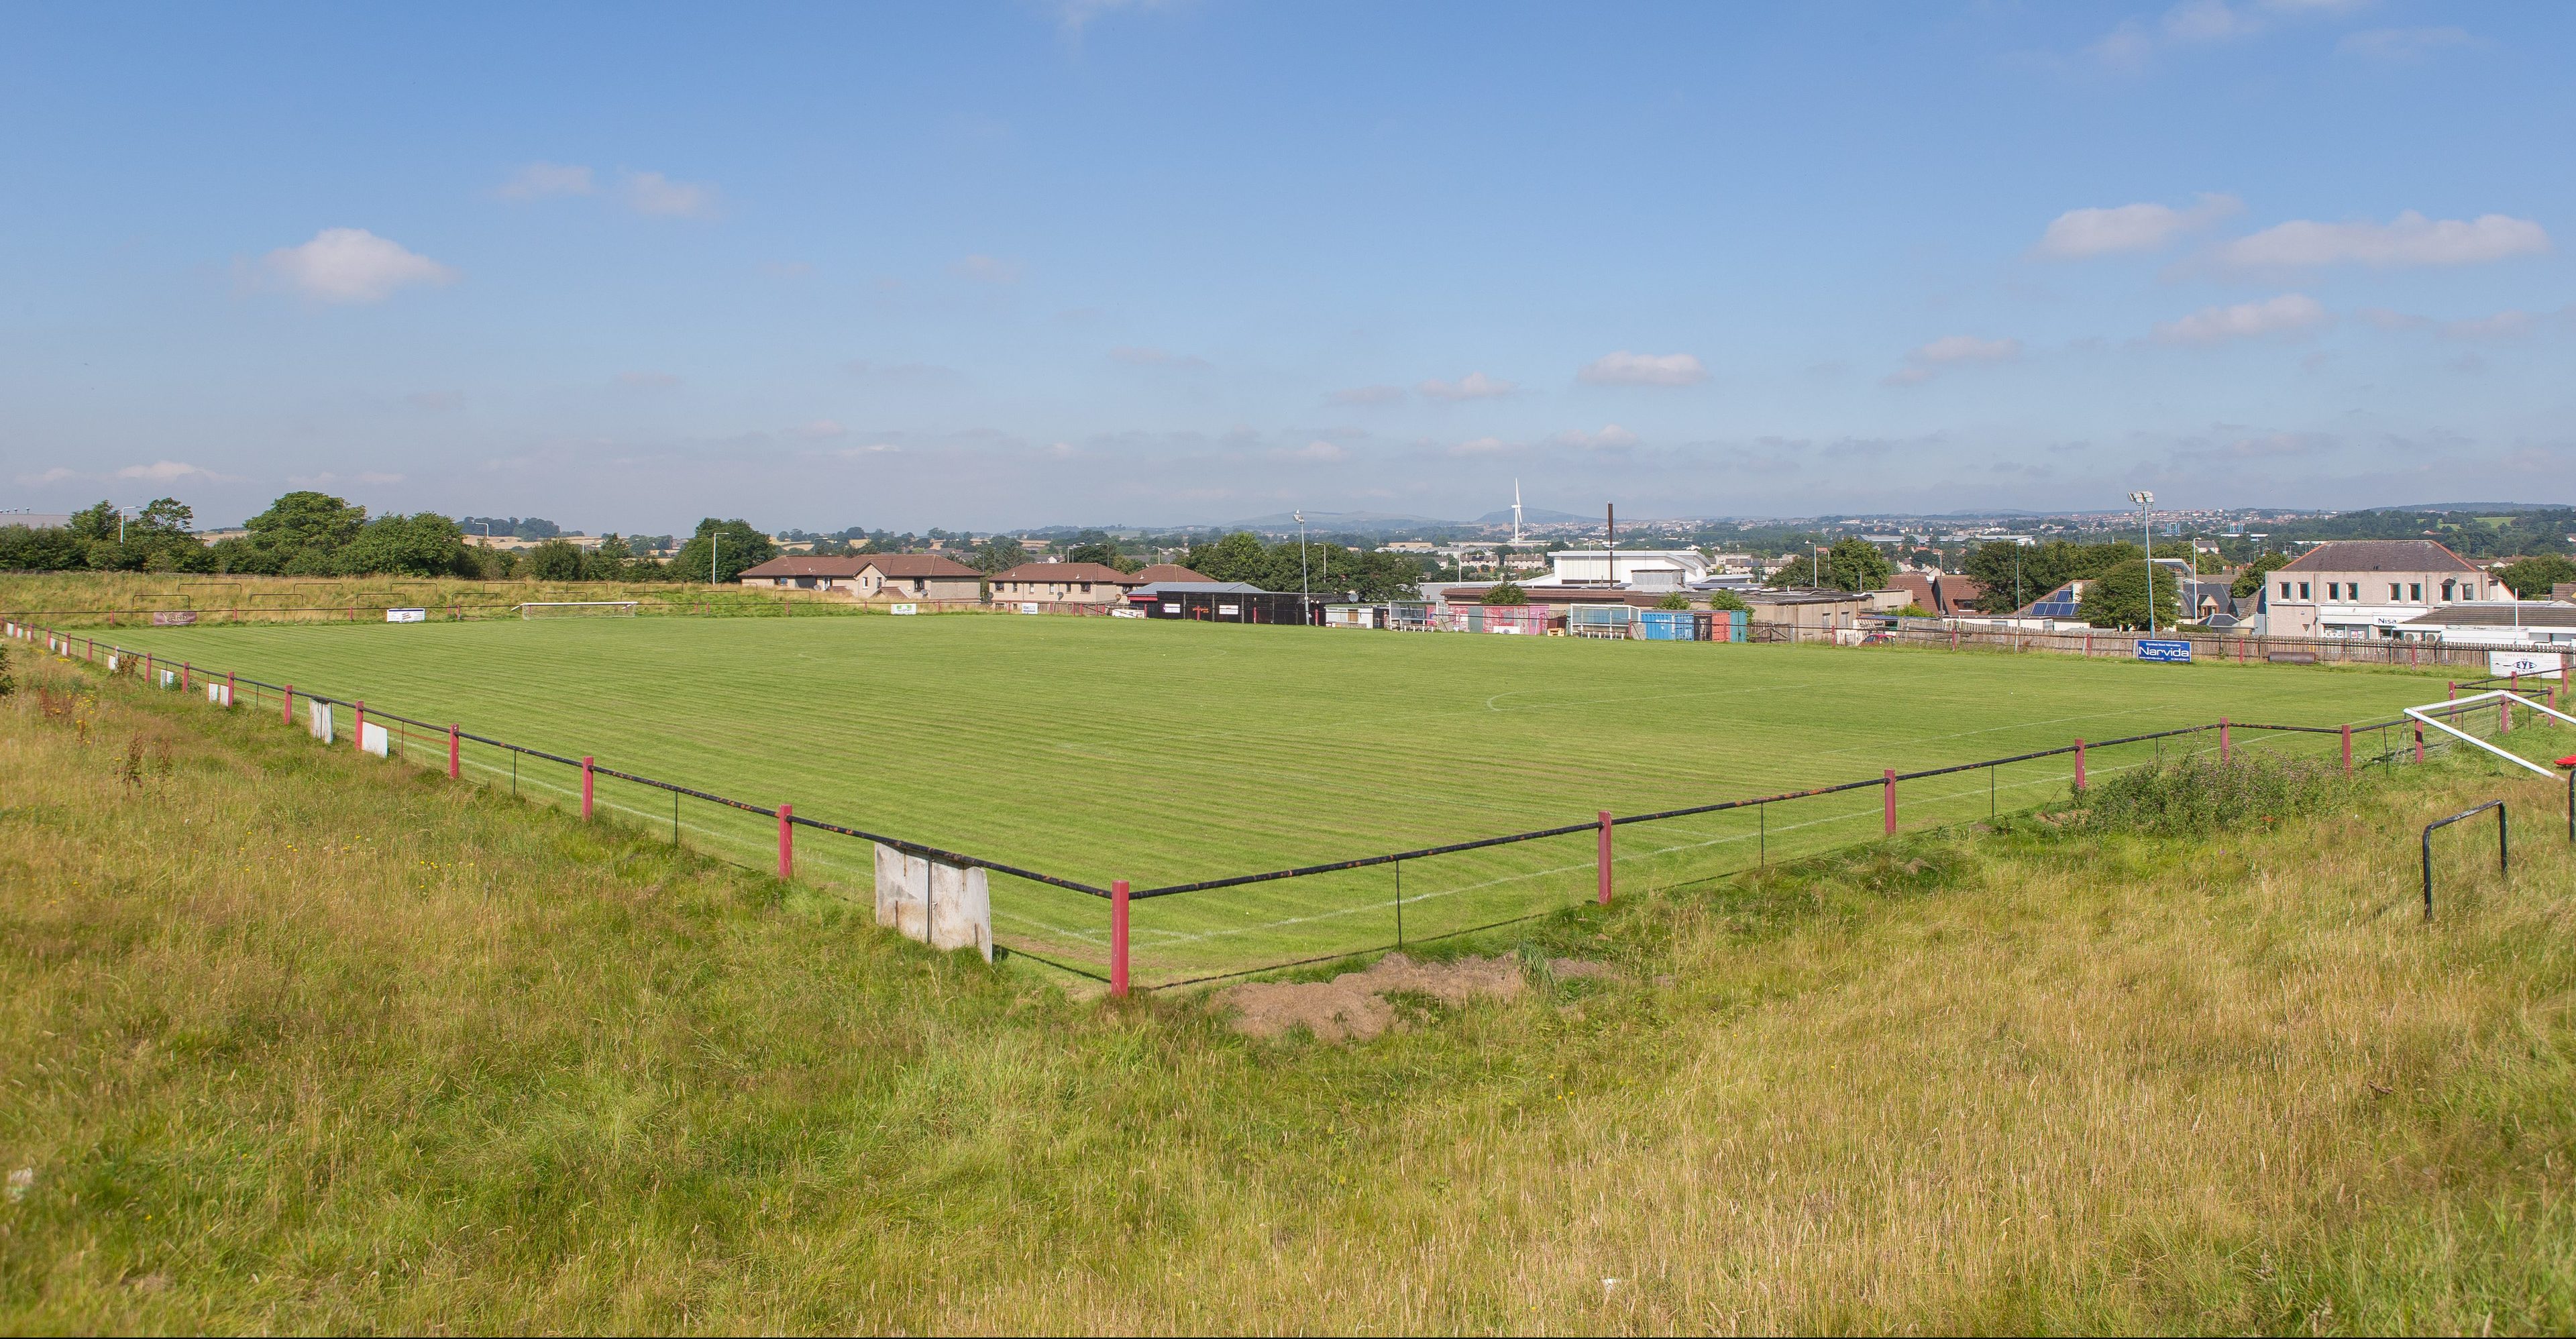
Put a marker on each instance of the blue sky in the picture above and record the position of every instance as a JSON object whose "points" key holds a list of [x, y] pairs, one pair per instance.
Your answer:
{"points": [[1026, 264]]}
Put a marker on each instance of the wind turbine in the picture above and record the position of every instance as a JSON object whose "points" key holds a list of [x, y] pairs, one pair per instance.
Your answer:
{"points": [[1516, 512]]}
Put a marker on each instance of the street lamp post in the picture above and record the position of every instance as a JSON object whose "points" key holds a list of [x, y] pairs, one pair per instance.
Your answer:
{"points": [[2147, 531], [715, 545], [1303, 588]]}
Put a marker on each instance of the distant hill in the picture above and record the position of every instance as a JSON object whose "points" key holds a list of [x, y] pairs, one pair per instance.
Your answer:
{"points": [[1530, 516], [1347, 522], [2481, 508]]}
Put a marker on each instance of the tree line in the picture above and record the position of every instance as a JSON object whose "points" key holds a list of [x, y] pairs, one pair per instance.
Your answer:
{"points": [[308, 533]]}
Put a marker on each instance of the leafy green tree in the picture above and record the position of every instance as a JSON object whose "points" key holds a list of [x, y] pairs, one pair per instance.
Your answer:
{"points": [[1237, 557], [1726, 599], [95, 521], [726, 546], [52, 549], [2117, 598], [421, 544], [1000, 553], [613, 559], [1507, 592], [2532, 577], [1675, 600], [2250, 581], [1851, 564], [300, 534], [557, 560], [2016, 574]]}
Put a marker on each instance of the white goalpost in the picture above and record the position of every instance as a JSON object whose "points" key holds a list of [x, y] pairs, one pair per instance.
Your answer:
{"points": [[578, 609], [2430, 713]]}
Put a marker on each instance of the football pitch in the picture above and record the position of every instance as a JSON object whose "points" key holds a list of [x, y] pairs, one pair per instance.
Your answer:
{"points": [[1163, 752]]}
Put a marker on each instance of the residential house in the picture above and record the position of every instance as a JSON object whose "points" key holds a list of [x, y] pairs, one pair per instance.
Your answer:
{"points": [[872, 576], [1096, 585], [2358, 588]]}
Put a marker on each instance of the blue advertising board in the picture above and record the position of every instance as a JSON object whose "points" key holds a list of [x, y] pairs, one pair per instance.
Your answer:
{"points": [[2177, 653]]}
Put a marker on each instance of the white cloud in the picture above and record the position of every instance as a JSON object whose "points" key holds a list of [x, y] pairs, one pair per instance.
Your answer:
{"points": [[2133, 43], [2079, 233], [1473, 386], [169, 472], [2507, 324], [1950, 351], [1078, 14], [653, 193], [2288, 314], [1318, 452], [52, 476], [2408, 239], [1609, 437], [538, 180], [989, 269], [1368, 395], [648, 380], [1136, 356], [1484, 446], [2402, 44], [1643, 369], [352, 265]]}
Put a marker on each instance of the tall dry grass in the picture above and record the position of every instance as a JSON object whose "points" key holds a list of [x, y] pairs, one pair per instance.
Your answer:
{"points": [[300, 1040]]}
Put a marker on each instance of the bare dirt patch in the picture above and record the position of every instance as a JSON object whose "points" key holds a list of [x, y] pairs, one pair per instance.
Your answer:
{"points": [[1354, 1006]]}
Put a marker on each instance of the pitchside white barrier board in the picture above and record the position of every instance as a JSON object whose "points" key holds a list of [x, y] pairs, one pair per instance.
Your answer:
{"points": [[169, 678], [373, 739], [406, 616], [2528, 664], [220, 694], [321, 726], [939, 905], [905, 609]]}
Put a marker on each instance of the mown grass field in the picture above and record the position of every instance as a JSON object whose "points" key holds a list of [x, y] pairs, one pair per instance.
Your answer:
{"points": [[300, 1041], [1164, 753]]}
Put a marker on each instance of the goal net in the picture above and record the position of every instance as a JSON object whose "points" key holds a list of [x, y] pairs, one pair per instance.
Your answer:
{"points": [[578, 609]]}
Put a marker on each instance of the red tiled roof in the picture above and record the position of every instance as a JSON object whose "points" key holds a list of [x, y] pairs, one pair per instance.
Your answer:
{"points": [[801, 565], [909, 565], [1168, 572]]}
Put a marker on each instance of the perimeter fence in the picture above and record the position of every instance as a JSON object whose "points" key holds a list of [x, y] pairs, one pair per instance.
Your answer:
{"points": [[1205, 930]]}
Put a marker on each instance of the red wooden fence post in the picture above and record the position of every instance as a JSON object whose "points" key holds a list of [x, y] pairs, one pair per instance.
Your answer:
{"points": [[787, 841], [229, 688], [585, 787], [2347, 750], [1118, 939], [2451, 690], [2222, 739], [1890, 784], [1602, 857], [455, 753], [358, 734], [2079, 764], [187, 677], [147, 669], [287, 712], [2504, 715], [2419, 741]]}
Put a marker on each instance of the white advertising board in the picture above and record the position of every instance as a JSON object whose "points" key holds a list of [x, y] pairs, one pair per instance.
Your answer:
{"points": [[373, 739], [2528, 664], [406, 616], [220, 694], [905, 609], [1030, 608], [321, 721]]}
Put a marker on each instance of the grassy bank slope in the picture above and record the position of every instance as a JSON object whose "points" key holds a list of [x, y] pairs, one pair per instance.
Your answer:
{"points": [[303, 1040]]}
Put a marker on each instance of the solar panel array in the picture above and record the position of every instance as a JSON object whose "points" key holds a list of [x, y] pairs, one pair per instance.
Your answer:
{"points": [[2059, 603]]}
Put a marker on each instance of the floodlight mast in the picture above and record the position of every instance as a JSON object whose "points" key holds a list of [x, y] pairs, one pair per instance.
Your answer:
{"points": [[2147, 531], [1303, 589]]}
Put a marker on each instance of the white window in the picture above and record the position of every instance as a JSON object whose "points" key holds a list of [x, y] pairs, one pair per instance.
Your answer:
{"points": [[2415, 591], [2285, 590], [2303, 590]]}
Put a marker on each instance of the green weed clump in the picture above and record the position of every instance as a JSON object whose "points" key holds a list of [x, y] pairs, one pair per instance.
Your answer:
{"points": [[2200, 793]]}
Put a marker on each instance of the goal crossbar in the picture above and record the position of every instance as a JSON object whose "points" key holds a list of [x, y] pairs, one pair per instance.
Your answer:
{"points": [[578, 608], [2423, 714]]}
